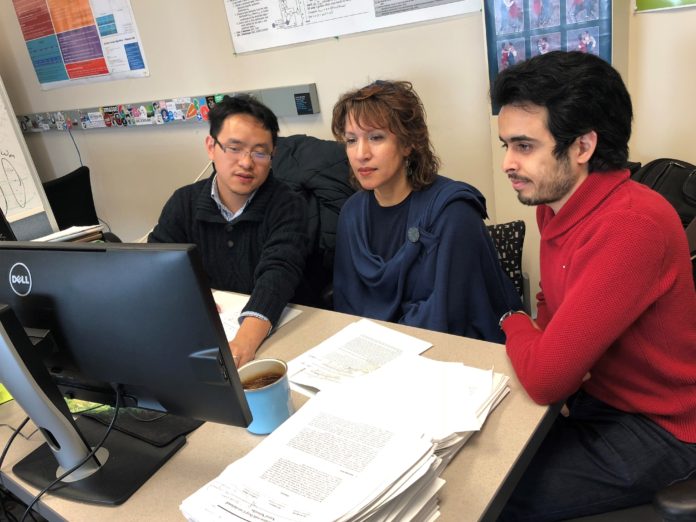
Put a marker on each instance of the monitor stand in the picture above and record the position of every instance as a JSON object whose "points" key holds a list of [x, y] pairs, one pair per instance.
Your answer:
{"points": [[130, 464], [111, 480]]}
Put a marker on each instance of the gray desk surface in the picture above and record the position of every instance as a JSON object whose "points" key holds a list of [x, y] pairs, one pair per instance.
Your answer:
{"points": [[479, 479]]}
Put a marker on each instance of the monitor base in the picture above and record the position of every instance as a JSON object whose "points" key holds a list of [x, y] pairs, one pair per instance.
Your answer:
{"points": [[130, 464]]}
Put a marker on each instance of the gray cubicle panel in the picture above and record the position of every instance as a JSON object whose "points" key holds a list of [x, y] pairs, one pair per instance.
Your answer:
{"points": [[36, 225], [22, 198]]}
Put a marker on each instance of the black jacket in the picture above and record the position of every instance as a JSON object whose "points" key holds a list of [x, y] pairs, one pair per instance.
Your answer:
{"points": [[319, 171]]}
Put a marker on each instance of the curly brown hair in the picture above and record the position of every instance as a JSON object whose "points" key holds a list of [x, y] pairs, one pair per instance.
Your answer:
{"points": [[393, 105]]}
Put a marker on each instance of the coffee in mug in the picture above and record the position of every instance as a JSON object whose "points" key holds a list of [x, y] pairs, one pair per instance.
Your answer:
{"points": [[254, 383], [267, 390]]}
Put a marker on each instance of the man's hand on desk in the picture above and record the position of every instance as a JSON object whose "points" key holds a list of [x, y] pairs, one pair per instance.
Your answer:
{"points": [[251, 334]]}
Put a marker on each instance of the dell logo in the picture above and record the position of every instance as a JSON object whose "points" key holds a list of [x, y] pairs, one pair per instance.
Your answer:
{"points": [[20, 279]]}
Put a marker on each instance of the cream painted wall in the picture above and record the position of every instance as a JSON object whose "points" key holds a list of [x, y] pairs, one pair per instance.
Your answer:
{"points": [[189, 52], [662, 82], [662, 79]]}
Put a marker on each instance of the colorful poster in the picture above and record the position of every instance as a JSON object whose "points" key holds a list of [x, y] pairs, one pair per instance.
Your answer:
{"points": [[78, 41], [519, 29], [654, 5], [262, 24]]}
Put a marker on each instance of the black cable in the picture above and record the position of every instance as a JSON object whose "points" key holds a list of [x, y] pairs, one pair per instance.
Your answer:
{"points": [[79, 156], [108, 227], [25, 437], [89, 456], [11, 439]]}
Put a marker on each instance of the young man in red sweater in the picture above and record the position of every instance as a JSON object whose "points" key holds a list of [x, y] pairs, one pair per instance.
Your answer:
{"points": [[615, 334]]}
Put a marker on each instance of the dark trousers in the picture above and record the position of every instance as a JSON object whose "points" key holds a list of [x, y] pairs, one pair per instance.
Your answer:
{"points": [[598, 459]]}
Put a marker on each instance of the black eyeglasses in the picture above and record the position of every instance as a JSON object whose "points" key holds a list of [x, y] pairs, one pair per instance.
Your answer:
{"points": [[237, 152]]}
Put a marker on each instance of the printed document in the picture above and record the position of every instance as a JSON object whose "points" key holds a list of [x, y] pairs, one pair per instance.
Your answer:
{"points": [[359, 349]]}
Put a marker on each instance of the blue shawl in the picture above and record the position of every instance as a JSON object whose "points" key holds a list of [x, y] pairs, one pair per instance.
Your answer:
{"points": [[446, 276]]}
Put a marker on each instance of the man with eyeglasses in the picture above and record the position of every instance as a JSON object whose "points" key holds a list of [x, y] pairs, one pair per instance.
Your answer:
{"points": [[250, 228]]}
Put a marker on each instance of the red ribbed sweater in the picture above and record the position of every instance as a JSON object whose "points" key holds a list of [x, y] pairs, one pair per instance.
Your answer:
{"points": [[617, 301]]}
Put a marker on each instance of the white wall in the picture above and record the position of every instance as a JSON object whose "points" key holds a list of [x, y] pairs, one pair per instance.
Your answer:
{"points": [[189, 51]]}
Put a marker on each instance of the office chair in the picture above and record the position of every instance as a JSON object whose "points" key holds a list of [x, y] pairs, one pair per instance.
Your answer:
{"points": [[508, 239], [71, 201]]}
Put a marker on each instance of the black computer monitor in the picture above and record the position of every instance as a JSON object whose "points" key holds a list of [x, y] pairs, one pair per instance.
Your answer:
{"points": [[139, 318]]}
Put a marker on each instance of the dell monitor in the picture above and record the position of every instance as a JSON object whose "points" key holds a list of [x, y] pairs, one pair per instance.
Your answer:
{"points": [[83, 320]]}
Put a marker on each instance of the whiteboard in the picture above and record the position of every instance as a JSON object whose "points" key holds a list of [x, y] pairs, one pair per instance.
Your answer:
{"points": [[22, 198]]}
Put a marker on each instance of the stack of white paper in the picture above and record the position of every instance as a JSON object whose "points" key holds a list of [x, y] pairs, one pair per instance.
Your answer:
{"points": [[74, 233], [324, 466], [447, 401]]}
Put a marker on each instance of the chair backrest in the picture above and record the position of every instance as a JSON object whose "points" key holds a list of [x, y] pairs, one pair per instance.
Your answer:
{"points": [[71, 200], [509, 239]]}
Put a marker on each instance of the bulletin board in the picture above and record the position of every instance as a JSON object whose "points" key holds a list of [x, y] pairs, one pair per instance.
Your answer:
{"points": [[520, 29]]}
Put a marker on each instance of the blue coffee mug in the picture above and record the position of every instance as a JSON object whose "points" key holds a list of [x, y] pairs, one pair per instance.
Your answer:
{"points": [[269, 398]]}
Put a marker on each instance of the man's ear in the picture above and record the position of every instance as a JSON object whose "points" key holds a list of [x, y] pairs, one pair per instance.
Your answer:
{"points": [[587, 143], [209, 146]]}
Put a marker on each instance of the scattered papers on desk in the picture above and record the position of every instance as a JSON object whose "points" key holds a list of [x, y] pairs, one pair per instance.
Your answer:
{"points": [[77, 233], [231, 306], [324, 466], [358, 349], [368, 450]]}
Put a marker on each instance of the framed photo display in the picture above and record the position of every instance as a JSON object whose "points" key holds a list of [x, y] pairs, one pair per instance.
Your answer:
{"points": [[519, 29]]}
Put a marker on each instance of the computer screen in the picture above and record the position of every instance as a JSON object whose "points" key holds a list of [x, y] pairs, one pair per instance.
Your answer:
{"points": [[137, 317]]}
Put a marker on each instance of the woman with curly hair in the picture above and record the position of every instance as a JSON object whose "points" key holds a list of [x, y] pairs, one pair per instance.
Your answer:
{"points": [[411, 246]]}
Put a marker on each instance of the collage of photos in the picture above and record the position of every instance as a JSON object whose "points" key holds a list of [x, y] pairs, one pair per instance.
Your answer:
{"points": [[519, 29]]}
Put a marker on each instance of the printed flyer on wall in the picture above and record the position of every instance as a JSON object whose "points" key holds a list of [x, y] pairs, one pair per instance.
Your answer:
{"points": [[261, 24], [78, 41]]}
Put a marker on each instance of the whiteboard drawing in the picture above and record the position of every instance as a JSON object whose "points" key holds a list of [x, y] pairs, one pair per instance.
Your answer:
{"points": [[12, 186], [21, 192]]}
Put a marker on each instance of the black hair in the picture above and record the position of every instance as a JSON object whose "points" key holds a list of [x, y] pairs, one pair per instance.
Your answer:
{"points": [[242, 104], [581, 93]]}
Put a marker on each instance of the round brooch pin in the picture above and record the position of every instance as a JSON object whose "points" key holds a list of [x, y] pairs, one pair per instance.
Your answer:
{"points": [[413, 234]]}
